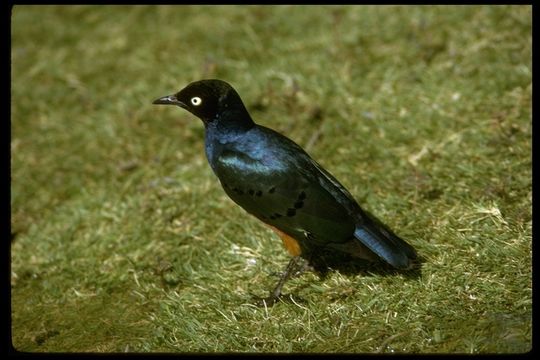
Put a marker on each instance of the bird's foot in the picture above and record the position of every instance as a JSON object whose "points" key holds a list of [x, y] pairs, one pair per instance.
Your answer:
{"points": [[296, 266]]}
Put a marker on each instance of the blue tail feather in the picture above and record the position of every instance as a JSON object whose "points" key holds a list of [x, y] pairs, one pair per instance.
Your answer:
{"points": [[387, 246]]}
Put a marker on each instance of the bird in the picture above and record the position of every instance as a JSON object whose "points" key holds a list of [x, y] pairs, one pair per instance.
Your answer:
{"points": [[274, 179]]}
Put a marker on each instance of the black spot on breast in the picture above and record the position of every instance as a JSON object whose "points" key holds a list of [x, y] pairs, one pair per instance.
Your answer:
{"points": [[301, 196], [275, 216], [298, 204], [238, 191], [272, 190], [291, 212], [258, 193], [251, 192]]}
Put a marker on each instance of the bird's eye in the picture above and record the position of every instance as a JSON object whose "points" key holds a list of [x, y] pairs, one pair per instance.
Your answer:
{"points": [[196, 101]]}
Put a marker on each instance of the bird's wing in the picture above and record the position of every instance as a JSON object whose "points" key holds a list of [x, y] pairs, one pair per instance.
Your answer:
{"points": [[369, 230], [342, 195], [286, 194]]}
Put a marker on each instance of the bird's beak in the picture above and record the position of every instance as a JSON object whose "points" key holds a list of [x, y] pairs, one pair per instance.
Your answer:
{"points": [[168, 100]]}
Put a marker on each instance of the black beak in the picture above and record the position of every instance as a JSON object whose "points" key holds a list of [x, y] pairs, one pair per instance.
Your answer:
{"points": [[168, 100]]}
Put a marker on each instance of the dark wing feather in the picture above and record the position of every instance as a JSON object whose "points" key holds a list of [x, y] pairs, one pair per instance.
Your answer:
{"points": [[286, 196]]}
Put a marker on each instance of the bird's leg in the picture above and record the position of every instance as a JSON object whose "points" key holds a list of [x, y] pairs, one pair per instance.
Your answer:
{"points": [[290, 270]]}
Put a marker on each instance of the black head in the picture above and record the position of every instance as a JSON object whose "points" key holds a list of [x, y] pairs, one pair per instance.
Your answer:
{"points": [[210, 100]]}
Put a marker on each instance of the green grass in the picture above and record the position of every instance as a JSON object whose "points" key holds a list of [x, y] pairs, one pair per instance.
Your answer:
{"points": [[123, 240]]}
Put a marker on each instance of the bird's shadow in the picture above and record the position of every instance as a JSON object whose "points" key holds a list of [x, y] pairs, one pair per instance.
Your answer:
{"points": [[323, 266]]}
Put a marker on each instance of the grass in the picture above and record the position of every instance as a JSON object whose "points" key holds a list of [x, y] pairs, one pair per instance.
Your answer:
{"points": [[123, 240]]}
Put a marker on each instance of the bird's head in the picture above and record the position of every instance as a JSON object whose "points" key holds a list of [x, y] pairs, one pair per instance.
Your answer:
{"points": [[210, 100]]}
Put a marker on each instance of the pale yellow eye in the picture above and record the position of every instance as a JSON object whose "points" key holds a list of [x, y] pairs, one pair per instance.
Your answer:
{"points": [[196, 101]]}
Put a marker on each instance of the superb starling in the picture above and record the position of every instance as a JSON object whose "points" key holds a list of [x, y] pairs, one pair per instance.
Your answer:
{"points": [[275, 180]]}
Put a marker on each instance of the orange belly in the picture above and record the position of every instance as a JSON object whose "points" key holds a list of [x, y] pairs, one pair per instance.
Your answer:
{"points": [[290, 243]]}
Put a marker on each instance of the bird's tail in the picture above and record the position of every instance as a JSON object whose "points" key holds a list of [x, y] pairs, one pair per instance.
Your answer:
{"points": [[387, 245]]}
